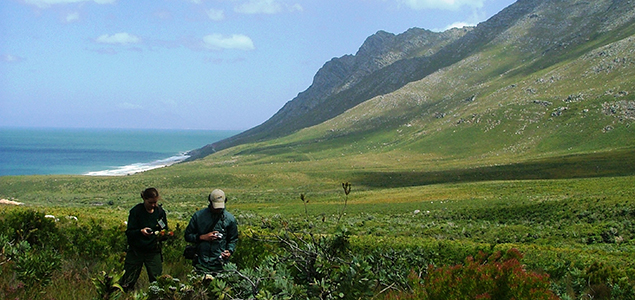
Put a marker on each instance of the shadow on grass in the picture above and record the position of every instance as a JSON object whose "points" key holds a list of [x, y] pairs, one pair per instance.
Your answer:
{"points": [[605, 164]]}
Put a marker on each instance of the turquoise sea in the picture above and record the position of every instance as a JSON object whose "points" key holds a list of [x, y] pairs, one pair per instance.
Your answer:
{"points": [[97, 151]]}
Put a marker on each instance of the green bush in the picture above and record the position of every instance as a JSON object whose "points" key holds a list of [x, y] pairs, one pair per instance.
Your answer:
{"points": [[37, 266], [92, 240], [29, 241], [172, 247], [30, 226]]}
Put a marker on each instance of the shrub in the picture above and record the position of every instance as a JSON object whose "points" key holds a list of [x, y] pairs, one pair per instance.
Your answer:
{"points": [[33, 266], [107, 285], [30, 226], [93, 241], [494, 277], [29, 243], [607, 282]]}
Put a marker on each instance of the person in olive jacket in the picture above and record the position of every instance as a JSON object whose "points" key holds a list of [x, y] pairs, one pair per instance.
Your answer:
{"points": [[215, 233], [145, 220]]}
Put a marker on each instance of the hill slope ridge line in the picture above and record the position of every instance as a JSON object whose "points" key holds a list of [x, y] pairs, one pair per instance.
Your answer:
{"points": [[542, 32]]}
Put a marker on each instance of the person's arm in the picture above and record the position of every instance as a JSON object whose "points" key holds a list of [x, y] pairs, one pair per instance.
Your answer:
{"points": [[133, 229], [232, 236], [136, 234], [191, 231]]}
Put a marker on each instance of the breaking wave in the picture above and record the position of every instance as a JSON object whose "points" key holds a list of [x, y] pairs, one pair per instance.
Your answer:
{"points": [[140, 167]]}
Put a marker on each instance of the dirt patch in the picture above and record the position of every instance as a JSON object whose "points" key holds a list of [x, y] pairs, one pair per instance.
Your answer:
{"points": [[9, 202]]}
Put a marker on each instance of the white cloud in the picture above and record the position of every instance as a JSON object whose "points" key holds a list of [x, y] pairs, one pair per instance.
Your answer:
{"points": [[442, 4], [10, 58], [259, 7], [459, 25], [215, 14], [72, 17], [269, 7], [236, 41], [48, 3], [122, 38], [296, 7]]}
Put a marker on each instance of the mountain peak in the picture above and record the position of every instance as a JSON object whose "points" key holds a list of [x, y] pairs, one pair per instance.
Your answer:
{"points": [[376, 43]]}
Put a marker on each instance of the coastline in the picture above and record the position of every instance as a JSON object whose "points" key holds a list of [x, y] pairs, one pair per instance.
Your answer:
{"points": [[139, 167], [97, 152]]}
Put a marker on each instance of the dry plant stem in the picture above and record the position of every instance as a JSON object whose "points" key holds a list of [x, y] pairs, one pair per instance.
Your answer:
{"points": [[306, 211], [254, 285], [384, 290]]}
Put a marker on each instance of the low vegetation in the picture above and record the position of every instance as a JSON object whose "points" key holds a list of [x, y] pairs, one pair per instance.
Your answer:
{"points": [[304, 234]]}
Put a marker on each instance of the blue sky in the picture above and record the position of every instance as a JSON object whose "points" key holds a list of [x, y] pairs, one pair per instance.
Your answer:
{"points": [[187, 64]]}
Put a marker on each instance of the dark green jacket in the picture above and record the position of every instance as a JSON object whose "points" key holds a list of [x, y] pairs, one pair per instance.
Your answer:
{"points": [[209, 252], [139, 218]]}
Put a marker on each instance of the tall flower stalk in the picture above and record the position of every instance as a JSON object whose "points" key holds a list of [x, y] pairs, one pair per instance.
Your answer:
{"points": [[347, 190]]}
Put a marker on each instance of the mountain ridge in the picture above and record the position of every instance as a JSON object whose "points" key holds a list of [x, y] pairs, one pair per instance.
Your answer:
{"points": [[525, 38], [331, 77]]}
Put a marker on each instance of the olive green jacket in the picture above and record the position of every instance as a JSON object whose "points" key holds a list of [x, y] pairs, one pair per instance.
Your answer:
{"points": [[208, 253]]}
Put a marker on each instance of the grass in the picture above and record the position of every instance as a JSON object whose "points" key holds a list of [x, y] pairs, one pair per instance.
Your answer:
{"points": [[574, 208]]}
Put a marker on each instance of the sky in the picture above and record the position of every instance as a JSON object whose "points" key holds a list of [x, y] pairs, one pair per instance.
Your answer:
{"points": [[187, 64]]}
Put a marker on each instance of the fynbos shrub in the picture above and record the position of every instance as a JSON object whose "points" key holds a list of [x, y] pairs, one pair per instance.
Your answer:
{"points": [[494, 277], [37, 266]]}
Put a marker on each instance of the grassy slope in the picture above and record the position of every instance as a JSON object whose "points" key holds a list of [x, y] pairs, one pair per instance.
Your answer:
{"points": [[501, 134]]}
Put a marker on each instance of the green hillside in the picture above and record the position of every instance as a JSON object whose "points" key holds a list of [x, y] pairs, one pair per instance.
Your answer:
{"points": [[542, 52], [515, 134], [580, 107]]}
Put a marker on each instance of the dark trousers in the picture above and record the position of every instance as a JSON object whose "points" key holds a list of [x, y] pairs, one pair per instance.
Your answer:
{"points": [[135, 260], [206, 268]]}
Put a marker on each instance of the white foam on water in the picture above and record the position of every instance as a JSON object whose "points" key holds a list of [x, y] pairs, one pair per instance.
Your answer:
{"points": [[140, 167]]}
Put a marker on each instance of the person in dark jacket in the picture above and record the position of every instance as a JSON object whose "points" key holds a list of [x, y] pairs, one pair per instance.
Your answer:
{"points": [[215, 232], [145, 221]]}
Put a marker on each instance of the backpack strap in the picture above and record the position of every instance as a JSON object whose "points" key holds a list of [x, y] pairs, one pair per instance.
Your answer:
{"points": [[211, 228]]}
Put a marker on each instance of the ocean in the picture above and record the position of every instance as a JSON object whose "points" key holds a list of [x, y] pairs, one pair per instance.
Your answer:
{"points": [[103, 152]]}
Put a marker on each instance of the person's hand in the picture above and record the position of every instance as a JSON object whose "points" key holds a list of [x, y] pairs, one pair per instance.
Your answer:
{"points": [[210, 236], [147, 231], [226, 254]]}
